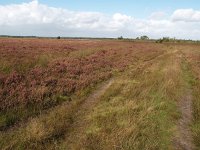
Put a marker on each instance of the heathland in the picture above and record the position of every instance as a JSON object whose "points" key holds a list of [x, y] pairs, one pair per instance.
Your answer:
{"points": [[99, 94]]}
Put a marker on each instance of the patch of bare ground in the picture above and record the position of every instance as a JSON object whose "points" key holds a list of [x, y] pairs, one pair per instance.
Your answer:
{"points": [[93, 98], [183, 141]]}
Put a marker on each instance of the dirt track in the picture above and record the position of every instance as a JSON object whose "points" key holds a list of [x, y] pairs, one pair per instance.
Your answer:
{"points": [[79, 120], [183, 140]]}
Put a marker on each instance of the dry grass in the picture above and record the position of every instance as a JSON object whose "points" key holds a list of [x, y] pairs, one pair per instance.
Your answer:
{"points": [[137, 111]]}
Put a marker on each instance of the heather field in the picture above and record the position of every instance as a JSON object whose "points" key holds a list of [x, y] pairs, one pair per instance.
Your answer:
{"points": [[98, 94]]}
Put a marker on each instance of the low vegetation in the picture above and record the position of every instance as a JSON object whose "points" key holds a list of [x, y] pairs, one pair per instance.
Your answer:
{"points": [[46, 87], [192, 56]]}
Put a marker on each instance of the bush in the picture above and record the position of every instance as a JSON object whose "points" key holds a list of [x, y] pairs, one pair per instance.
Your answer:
{"points": [[120, 38]]}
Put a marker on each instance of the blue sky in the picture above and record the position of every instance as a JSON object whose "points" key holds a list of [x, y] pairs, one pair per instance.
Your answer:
{"points": [[101, 18], [137, 8]]}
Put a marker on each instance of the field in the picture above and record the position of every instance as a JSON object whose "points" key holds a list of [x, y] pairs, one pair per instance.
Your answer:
{"points": [[99, 94]]}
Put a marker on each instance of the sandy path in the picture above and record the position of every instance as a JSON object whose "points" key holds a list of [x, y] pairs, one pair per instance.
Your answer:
{"points": [[184, 139]]}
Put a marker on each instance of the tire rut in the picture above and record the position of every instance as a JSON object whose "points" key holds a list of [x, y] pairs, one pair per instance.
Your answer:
{"points": [[184, 141], [79, 119]]}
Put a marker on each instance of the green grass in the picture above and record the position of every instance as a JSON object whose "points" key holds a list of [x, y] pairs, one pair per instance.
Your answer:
{"points": [[5, 67]]}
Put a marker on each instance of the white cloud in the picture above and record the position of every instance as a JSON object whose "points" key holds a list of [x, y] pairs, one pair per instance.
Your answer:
{"points": [[34, 13], [34, 18], [187, 15]]}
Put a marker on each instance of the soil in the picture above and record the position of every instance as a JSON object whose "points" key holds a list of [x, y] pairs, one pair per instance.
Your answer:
{"points": [[183, 140]]}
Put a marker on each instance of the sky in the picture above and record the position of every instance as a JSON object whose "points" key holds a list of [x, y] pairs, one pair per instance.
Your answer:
{"points": [[101, 18]]}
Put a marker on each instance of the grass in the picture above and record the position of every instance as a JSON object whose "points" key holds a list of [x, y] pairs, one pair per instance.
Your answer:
{"points": [[195, 85], [10, 117], [41, 61], [138, 111], [5, 67], [196, 114], [82, 53], [48, 127], [191, 71]]}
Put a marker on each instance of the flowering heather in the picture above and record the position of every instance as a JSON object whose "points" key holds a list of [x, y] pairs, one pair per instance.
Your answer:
{"points": [[38, 71]]}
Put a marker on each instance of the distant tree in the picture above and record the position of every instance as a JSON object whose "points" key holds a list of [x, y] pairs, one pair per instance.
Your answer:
{"points": [[166, 39], [159, 41], [144, 37], [120, 38], [137, 38], [58, 37]]}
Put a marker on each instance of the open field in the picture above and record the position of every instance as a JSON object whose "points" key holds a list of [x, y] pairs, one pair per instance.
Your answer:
{"points": [[99, 94]]}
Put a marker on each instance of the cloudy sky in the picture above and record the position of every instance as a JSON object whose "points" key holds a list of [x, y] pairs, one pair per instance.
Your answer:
{"points": [[101, 18]]}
